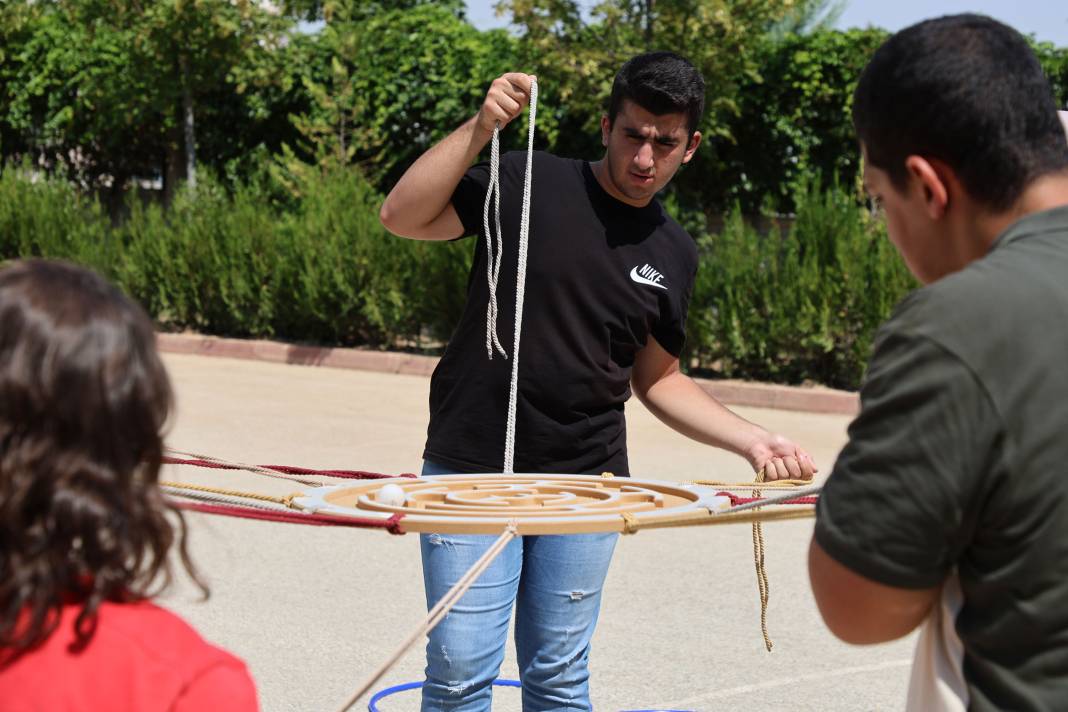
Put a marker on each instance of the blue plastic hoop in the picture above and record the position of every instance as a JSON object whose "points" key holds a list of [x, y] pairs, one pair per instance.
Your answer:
{"points": [[372, 706]]}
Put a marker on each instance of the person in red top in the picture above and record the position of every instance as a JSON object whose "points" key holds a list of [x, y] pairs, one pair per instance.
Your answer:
{"points": [[84, 529]]}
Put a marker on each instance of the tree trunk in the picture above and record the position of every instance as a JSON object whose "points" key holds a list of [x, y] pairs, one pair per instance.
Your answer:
{"points": [[115, 198], [172, 165], [649, 25], [188, 126]]}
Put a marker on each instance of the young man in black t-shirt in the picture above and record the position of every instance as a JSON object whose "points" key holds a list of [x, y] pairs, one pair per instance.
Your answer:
{"points": [[608, 278], [948, 508]]}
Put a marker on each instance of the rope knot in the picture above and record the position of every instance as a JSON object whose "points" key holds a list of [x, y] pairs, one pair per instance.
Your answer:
{"points": [[393, 524]]}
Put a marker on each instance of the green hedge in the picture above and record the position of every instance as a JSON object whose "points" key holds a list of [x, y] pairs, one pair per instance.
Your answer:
{"points": [[318, 268], [46, 218], [795, 304], [314, 265]]}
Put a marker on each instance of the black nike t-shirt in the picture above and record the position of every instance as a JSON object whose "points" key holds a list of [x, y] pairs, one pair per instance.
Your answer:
{"points": [[602, 278]]}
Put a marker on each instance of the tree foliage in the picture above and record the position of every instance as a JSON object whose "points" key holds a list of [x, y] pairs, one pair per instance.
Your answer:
{"points": [[94, 88], [1054, 62], [385, 89], [794, 123], [806, 17], [578, 56]]}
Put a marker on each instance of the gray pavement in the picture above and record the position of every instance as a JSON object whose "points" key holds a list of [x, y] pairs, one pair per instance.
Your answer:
{"points": [[313, 610]]}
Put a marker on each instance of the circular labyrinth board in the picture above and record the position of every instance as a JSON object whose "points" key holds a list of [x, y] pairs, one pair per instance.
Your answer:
{"points": [[538, 504]]}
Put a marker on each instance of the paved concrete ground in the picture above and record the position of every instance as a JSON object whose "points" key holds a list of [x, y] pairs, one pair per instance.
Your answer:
{"points": [[314, 609]]}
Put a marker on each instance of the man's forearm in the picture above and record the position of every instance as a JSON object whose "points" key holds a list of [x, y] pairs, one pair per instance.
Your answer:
{"points": [[423, 192], [674, 398], [685, 407]]}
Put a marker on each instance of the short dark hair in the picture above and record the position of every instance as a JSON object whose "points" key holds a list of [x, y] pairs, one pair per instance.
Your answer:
{"points": [[661, 83], [84, 399], [966, 90]]}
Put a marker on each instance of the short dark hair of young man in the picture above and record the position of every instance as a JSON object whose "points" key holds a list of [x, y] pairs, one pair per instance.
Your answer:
{"points": [[661, 83], [948, 507]]}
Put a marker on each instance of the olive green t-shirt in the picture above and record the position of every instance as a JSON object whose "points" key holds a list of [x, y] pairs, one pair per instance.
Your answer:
{"points": [[957, 465]]}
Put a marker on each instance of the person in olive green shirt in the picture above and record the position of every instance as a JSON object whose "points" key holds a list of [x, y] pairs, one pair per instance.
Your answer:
{"points": [[948, 507]]}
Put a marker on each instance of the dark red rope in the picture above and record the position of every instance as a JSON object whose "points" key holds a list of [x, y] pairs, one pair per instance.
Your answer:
{"points": [[289, 469], [736, 500], [392, 525]]}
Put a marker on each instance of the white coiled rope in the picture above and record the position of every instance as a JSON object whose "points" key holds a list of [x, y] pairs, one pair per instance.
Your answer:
{"points": [[493, 267]]}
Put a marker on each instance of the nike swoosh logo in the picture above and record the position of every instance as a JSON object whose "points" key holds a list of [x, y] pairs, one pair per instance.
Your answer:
{"points": [[642, 280]]}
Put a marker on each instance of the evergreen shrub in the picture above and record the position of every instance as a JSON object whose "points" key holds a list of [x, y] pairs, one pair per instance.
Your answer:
{"points": [[799, 302]]}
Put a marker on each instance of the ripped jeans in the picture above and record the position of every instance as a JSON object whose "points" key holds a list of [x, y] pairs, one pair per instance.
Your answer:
{"points": [[555, 582]]}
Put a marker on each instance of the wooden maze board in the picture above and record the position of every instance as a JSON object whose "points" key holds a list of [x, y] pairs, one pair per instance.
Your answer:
{"points": [[538, 504]]}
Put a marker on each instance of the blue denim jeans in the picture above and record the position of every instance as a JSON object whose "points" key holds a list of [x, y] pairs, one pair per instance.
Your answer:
{"points": [[555, 582]]}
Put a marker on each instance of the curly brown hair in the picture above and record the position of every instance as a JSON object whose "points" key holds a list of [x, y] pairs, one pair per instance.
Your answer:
{"points": [[84, 399]]}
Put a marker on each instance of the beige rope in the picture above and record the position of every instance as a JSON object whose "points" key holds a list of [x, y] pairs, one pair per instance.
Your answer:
{"points": [[758, 532], [286, 501], [705, 518], [222, 499], [761, 569], [450, 599], [242, 466], [630, 523], [749, 513], [778, 484]]}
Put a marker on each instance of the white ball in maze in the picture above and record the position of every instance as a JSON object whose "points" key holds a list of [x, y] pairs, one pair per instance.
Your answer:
{"points": [[391, 495]]}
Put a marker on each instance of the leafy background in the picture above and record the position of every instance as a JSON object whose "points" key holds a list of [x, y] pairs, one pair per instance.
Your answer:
{"points": [[225, 165]]}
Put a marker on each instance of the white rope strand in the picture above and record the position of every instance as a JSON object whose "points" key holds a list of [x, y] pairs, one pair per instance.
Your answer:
{"points": [[521, 280], [493, 266]]}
